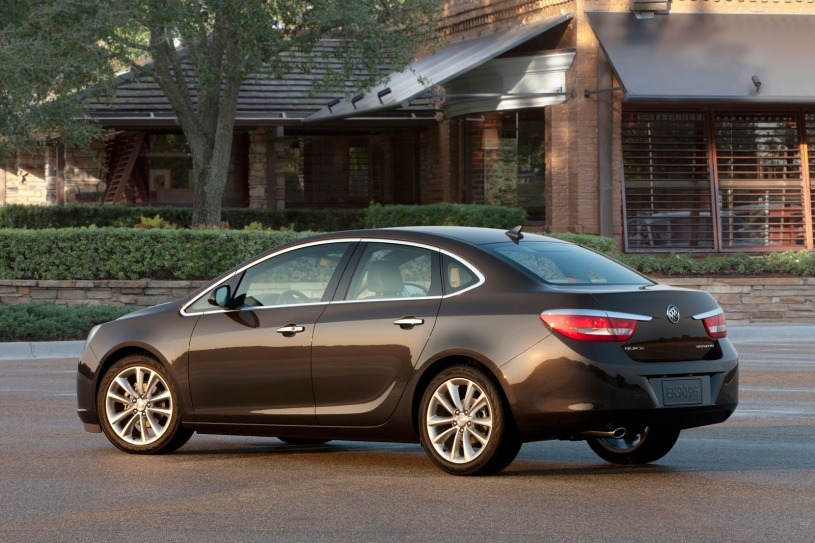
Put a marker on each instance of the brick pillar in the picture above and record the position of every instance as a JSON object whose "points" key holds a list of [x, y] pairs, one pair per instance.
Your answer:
{"points": [[258, 142], [277, 167]]}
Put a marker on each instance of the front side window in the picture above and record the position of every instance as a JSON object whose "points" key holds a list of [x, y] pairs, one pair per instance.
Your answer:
{"points": [[393, 271], [296, 277], [562, 264]]}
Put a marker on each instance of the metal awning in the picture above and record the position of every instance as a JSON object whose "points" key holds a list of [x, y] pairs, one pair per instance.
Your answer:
{"points": [[436, 69], [710, 56]]}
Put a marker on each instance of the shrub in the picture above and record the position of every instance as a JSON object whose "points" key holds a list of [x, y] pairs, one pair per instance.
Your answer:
{"points": [[38, 217], [49, 322], [444, 214], [128, 253]]}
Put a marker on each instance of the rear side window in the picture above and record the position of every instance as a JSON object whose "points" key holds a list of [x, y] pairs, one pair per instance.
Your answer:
{"points": [[457, 276], [562, 264]]}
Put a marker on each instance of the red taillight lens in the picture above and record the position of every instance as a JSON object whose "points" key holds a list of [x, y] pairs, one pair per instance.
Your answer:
{"points": [[715, 326], [590, 327]]}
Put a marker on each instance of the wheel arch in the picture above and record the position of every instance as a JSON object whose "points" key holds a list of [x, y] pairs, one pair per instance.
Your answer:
{"points": [[124, 351], [447, 361]]}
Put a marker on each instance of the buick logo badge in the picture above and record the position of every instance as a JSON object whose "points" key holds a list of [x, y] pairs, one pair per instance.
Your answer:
{"points": [[673, 314]]}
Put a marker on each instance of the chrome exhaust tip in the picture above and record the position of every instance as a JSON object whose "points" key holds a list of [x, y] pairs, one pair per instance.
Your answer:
{"points": [[617, 433]]}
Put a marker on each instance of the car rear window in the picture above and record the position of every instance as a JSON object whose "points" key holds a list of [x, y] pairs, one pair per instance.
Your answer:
{"points": [[563, 264]]}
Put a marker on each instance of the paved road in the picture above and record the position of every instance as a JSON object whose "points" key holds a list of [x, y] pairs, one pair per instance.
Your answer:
{"points": [[750, 479]]}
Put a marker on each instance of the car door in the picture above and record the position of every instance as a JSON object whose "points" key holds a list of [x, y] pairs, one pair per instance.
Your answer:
{"points": [[369, 338], [251, 363]]}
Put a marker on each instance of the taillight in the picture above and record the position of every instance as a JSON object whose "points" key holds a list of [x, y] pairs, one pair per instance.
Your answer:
{"points": [[590, 326], [715, 326]]}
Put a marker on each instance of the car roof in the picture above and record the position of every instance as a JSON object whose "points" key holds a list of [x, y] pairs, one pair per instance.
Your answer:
{"points": [[466, 234]]}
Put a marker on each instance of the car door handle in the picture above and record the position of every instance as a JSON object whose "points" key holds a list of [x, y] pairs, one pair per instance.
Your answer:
{"points": [[291, 329], [408, 321]]}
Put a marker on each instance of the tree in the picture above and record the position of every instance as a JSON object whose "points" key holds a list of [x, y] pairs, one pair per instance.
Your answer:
{"points": [[202, 50], [41, 76]]}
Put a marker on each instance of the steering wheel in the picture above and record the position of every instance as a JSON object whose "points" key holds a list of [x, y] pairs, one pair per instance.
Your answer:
{"points": [[292, 297]]}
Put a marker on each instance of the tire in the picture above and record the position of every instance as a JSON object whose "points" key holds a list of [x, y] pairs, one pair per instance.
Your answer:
{"points": [[464, 424], [145, 421], [638, 446], [302, 441]]}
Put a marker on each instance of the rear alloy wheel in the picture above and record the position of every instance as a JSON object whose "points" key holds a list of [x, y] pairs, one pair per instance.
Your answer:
{"points": [[465, 427], [138, 407], [637, 446]]}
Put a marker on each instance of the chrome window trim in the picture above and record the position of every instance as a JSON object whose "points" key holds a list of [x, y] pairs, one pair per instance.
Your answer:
{"points": [[598, 313], [708, 314], [481, 278], [244, 268], [476, 271]]}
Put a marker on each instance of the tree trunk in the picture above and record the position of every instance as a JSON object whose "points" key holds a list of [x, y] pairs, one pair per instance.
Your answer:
{"points": [[210, 171]]}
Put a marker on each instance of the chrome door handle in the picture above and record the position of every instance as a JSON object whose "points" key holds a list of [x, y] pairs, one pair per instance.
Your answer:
{"points": [[291, 329], [408, 321]]}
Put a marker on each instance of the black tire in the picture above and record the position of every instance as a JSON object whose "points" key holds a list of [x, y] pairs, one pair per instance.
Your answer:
{"points": [[452, 406], [638, 446], [146, 421], [302, 441]]}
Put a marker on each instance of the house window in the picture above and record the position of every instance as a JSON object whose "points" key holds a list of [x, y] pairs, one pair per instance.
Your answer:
{"points": [[711, 180], [505, 157], [358, 173]]}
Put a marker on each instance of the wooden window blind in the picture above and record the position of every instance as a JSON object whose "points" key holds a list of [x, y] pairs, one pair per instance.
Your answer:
{"points": [[667, 182], [760, 189]]}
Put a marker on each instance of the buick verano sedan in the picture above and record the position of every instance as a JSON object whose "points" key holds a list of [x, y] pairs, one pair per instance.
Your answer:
{"points": [[469, 341]]}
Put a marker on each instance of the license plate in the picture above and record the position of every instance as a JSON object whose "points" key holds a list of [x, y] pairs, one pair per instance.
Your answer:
{"points": [[682, 391]]}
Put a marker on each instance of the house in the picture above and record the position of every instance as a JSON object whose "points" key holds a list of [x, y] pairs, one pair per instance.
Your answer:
{"points": [[684, 125]]}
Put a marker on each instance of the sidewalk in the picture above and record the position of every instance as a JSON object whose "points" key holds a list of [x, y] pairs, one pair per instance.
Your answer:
{"points": [[738, 333]]}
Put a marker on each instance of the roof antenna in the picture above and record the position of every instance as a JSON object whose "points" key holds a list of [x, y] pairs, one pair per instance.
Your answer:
{"points": [[515, 234]]}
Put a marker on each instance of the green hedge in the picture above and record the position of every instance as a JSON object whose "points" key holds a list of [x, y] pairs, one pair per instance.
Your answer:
{"points": [[797, 263], [49, 322], [129, 253], [38, 217], [380, 216]]}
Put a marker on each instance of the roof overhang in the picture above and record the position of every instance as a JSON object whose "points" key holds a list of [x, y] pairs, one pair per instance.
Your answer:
{"points": [[435, 70], [710, 56], [509, 83]]}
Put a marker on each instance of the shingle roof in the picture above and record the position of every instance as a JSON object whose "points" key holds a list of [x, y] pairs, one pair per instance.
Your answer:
{"points": [[262, 98]]}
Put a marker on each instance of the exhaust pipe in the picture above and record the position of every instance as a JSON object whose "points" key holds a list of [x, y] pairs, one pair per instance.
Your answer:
{"points": [[617, 433]]}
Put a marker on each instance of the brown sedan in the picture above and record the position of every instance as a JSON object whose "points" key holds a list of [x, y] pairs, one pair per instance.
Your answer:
{"points": [[470, 341]]}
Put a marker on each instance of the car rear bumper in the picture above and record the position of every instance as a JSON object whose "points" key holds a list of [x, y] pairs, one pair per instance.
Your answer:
{"points": [[566, 395]]}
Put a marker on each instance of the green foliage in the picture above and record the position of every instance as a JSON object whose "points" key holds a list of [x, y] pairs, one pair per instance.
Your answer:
{"points": [[797, 263], [40, 72], [444, 214], [128, 253], [149, 223], [49, 322], [35, 217]]}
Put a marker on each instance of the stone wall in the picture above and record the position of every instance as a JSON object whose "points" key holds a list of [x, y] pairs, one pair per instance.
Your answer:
{"points": [[744, 299], [140, 292]]}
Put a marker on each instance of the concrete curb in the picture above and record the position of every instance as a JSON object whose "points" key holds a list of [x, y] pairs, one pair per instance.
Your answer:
{"points": [[44, 349]]}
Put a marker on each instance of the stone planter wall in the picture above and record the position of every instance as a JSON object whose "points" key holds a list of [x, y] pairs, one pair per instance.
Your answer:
{"points": [[757, 299], [744, 299], [142, 292]]}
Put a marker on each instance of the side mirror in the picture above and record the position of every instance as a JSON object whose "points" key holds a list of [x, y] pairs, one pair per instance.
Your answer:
{"points": [[220, 297]]}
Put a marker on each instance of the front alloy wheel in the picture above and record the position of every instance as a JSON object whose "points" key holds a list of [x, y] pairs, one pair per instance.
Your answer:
{"points": [[464, 425], [637, 446], [138, 407]]}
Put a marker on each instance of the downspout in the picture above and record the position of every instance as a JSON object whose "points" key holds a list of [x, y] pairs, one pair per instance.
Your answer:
{"points": [[605, 138]]}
